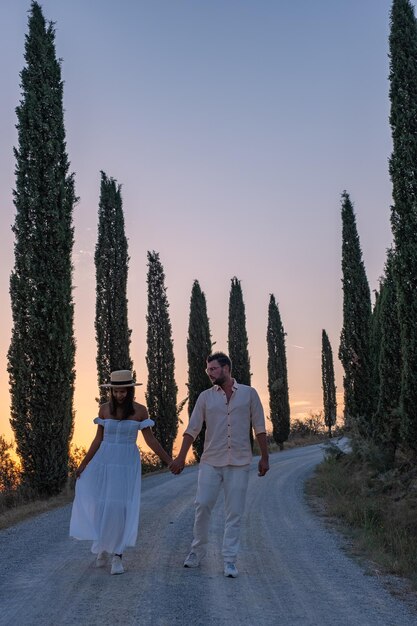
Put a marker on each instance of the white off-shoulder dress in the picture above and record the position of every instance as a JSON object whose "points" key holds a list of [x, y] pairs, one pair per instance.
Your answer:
{"points": [[107, 494]]}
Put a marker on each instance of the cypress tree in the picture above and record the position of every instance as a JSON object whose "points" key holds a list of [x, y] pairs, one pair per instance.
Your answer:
{"points": [[42, 348], [238, 338], [354, 350], [329, 387], [279, 404], [198, 348], [111, 260], [403, 171], [161, 396], [387, 417]]}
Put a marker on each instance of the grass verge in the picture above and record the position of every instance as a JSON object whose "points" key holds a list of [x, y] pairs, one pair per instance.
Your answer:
{"points": [[378, 511], [21, 512]]}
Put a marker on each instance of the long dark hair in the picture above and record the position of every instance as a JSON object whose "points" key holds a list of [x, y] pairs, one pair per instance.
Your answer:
{"points": [[127, 406]]}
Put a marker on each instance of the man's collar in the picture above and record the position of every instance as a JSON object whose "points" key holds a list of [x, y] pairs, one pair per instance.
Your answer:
{"points": [[234, 386]]}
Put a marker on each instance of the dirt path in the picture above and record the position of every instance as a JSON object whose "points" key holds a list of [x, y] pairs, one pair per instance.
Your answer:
{"points": [[292, 569]]}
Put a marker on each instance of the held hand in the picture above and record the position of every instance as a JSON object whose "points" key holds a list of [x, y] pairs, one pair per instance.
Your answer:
{"points": [[177, 466], [263, 467]]}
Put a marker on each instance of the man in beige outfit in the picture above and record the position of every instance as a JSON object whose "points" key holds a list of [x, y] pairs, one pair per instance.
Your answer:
{"points": [[229, 410]]}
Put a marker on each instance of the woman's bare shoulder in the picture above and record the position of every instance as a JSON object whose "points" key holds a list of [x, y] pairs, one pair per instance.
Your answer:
{"points": [[104, 411], [141, 412]]}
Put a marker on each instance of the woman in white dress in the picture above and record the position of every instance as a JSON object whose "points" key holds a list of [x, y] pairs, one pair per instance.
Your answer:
{"points": [[107, 491]]}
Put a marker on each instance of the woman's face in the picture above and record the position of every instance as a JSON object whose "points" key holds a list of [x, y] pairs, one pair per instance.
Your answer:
{"points": [[119, 394]]}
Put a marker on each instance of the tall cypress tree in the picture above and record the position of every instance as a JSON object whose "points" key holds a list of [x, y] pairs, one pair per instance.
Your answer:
{"points": [[403, 171], [329, 387], [42, 349], [238, 337], [279, 404], [387, 417], [354, 350], [198, 348], [111, 260], [161, 396]]}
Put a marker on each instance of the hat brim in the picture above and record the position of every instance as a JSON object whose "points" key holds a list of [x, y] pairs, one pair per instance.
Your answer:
{"points": [[113, 386]]}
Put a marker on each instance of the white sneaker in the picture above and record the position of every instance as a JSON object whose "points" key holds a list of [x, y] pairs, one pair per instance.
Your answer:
{"points": [[192, 560], [101, 559], [116, 565], [230, 570]]}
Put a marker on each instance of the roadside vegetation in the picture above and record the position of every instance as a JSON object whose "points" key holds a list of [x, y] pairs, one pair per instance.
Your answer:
{"points": [[375, 506], [303, 432], [19, 501], [373, 489]]}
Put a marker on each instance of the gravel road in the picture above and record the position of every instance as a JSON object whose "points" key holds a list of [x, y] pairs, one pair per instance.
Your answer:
{"points": [[293, 570]]}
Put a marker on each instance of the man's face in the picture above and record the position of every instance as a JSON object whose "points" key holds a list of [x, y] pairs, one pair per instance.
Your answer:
{"points": [[216, 373], [119, 394]]}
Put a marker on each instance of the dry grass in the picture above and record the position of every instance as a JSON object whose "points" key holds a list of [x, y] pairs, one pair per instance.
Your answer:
{"points": [[377, 511], [21, 512], [299, 441]]}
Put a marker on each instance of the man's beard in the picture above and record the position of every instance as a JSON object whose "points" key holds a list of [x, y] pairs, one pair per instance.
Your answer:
{"points": [[219, 381]]}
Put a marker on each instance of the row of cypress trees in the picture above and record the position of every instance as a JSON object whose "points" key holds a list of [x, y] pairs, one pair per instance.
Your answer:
{"points": [[199, 345], [113, 334], [42, 350], [378, 347]]}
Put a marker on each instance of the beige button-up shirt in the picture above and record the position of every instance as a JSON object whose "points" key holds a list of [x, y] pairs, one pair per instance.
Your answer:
{"points": [[226, 440]]}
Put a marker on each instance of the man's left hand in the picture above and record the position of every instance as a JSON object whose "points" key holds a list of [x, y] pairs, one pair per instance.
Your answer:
{"points": [[263, 467]]}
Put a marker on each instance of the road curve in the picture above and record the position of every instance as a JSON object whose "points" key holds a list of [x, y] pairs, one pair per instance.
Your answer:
{"points": [[292, 568]]}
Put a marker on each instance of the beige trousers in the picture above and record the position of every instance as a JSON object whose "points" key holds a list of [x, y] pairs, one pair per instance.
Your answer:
{"points": [[234, 481]]}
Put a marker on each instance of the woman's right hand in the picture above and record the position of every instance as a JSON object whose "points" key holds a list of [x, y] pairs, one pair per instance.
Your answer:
{"points": [[177, 465]]}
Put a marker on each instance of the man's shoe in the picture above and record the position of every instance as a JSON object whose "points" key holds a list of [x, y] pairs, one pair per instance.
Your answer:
{"points": [[101, 559], [230, 570], [116, 565], [192, 560]]}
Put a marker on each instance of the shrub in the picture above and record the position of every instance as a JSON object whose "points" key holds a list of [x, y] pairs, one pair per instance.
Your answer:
{"points": [[9, 474]]}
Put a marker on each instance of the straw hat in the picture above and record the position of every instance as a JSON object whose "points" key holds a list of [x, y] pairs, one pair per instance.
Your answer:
{"points": [[121, 378]]}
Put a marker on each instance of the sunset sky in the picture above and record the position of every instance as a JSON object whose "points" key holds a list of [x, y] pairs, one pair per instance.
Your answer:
{"points": [[233, 127]]}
